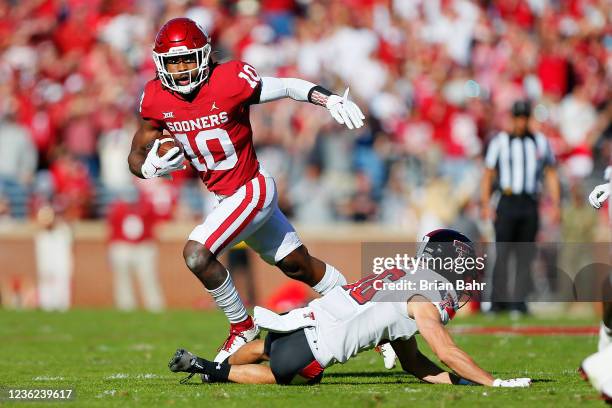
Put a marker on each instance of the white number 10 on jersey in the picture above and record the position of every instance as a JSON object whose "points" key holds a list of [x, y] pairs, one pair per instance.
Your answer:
{"points": [[250, 75], [201, 143]]}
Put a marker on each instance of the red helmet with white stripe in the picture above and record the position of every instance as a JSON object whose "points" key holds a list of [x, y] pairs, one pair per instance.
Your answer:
{"points": [[182, 39]]}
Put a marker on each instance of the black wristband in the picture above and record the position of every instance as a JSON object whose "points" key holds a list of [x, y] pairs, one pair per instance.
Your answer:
{"points": [[318, 95]]}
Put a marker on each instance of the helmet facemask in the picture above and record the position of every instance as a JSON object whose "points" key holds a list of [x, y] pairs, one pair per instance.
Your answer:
{"points": [[196, 75]]}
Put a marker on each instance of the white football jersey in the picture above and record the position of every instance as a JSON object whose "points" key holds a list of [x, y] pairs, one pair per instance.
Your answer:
{"points": [[357, 317]]}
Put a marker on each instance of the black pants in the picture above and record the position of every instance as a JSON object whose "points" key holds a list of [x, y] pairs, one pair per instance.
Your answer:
{"points": [[516, 226], [291, 359]]}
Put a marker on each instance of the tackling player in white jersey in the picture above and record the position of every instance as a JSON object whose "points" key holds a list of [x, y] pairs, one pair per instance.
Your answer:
{"points": [[596, 367], [357, 317]]}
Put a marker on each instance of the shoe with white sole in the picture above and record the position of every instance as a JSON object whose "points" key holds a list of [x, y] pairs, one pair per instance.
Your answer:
{"points": [[388, 354], [240, 334]]}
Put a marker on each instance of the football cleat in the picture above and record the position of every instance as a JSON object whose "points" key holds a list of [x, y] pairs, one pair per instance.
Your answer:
{"points": [[388, 355], [240, 334], [184, 362]]}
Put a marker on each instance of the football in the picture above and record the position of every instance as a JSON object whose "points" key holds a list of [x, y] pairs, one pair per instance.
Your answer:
{"points": [[167, 143]]}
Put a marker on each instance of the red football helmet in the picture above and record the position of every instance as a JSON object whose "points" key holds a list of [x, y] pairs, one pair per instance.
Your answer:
{"points": [[182, 37]]}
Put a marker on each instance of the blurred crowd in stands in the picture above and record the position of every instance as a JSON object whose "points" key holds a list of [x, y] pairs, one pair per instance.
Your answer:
{"points": [[436, 79]]}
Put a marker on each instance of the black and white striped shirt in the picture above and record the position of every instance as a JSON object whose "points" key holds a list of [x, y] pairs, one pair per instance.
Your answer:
{"points": [[519, 161]]}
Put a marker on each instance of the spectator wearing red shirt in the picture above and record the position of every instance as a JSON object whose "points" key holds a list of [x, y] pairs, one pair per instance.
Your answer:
{"points": [[77, 32], [72, 184], [553, 71], [133, 253]]}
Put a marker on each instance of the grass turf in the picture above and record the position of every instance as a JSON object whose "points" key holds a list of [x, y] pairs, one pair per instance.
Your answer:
{"points": [[119, 359]]}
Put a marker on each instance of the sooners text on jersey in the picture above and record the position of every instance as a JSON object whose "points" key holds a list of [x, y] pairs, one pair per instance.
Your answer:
{"points": [[214, 128]]}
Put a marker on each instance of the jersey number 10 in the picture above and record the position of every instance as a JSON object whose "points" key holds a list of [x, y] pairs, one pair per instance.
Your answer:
{"points": [[215, 145], [223, 155]]}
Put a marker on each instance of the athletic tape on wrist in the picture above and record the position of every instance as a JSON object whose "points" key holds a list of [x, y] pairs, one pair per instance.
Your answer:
{"points": [[319, 95]]}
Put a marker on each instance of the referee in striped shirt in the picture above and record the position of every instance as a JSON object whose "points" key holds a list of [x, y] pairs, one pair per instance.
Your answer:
{"points": [[516, 163]]}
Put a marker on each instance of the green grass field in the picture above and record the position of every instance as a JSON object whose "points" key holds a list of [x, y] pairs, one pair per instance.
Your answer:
{"points": [[119, 359]]}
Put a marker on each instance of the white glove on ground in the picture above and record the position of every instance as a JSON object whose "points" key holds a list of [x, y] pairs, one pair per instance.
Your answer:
{"points": [[155, 166], [344, 111]]}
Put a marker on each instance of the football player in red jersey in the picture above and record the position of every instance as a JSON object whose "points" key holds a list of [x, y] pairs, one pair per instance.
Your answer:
{"points": [[205, 105]]}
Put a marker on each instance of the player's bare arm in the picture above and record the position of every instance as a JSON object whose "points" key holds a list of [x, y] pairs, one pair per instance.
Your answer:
{"points": [[553, 187], [344, 111], [144, 136], [486, 186], [437, 337], [415, 363]]}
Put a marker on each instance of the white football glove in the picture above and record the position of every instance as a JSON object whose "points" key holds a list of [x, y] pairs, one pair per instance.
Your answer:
{"points": [[513, 383], [599, 195], [155, 166], [344, 111]]}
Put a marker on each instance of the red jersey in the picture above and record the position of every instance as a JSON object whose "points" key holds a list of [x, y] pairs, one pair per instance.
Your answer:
{"points": [[214, 128]]}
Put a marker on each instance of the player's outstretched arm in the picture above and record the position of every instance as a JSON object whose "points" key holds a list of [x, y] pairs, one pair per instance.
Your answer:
{"points": [[344, 111], [144, 161], [437, 337], [415, 363]]}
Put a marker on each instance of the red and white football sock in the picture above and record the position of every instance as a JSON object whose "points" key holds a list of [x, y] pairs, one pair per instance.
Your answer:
{"points": [[330, 280], [227, 298]]}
